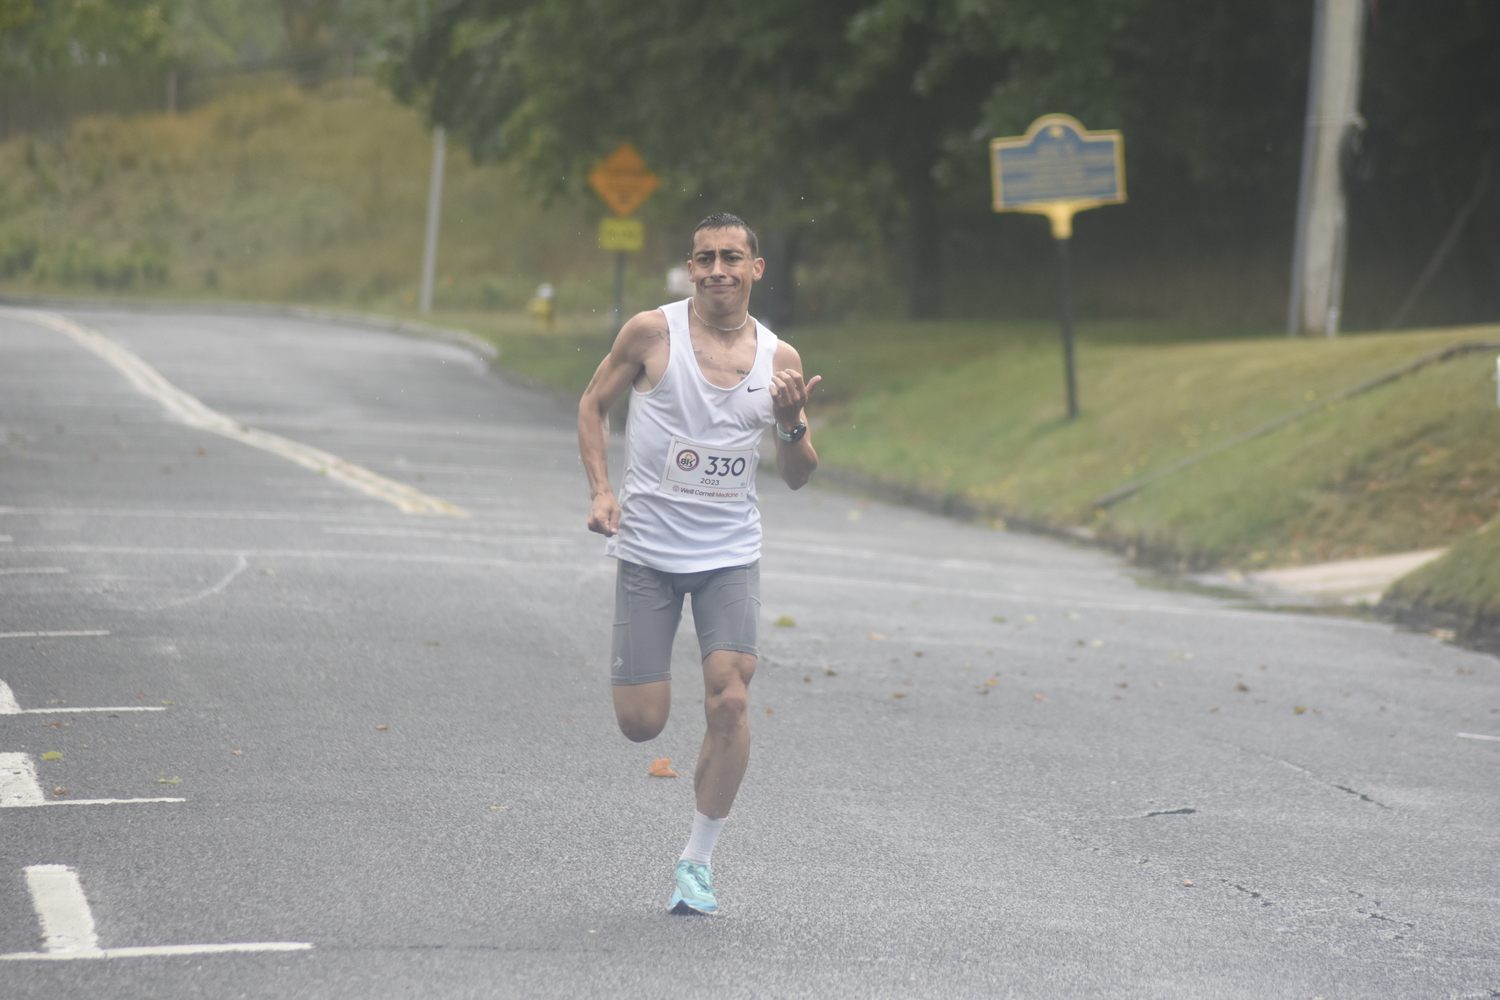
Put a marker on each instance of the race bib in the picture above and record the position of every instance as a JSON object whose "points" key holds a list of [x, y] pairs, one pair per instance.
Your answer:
{"points": [[705, 472]]}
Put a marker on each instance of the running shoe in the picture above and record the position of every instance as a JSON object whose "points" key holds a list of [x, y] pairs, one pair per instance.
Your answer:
{"points": [[695, 891]]}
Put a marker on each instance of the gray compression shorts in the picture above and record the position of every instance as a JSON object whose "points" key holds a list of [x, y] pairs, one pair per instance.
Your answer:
{"points": [[648, 609]]}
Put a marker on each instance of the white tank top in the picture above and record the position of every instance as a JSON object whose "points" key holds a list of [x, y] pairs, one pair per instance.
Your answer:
{"points": [[687, 500]]}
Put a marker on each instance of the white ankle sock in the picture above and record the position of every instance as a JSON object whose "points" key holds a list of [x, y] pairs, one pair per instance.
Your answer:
{"points": [[700, 846]]}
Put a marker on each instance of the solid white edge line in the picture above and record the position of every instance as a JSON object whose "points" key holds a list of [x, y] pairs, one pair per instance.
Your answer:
{"points": [[1478, 736], [156, 950], [193, 412]]}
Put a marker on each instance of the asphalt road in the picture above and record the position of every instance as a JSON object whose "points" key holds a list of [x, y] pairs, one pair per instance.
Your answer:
{"points": [[986, 764]]}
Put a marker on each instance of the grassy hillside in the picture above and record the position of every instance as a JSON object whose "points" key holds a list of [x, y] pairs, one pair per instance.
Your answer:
{"points": [[277, 193], [978, 413]]}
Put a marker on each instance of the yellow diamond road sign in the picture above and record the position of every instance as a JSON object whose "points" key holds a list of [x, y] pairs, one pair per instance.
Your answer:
{"points": [[621, 234], [622, 180]]}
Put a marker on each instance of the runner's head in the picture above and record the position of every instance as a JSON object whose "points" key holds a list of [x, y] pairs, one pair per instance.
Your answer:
{"points": [[723, 264]]}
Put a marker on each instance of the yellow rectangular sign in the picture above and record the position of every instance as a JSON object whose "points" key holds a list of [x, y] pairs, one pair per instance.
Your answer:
{"points": [[621, 234]]}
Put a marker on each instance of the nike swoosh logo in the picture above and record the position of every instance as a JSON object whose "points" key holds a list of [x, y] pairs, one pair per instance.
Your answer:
{"points": [[756, 389]]}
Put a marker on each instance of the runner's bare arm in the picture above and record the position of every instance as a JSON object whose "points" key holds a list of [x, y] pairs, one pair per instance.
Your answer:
{"points": [[789, 393], [638, 355]]}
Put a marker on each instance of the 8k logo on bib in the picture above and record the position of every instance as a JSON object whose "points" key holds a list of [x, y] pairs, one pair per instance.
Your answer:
{"points": [[687, 460]]}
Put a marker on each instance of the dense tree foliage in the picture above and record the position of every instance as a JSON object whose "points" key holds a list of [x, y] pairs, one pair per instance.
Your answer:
{"points": [[872, 115]]}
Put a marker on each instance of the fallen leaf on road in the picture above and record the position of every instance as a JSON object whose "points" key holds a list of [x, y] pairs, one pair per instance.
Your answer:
{"points": [[1214, 709], [239, 753], [1096, 643], [784, 621], [54, 724], [806, 680], [169, 703], [377, 727], [770, 711], [52, 755], [1241, 687], [1038, 697], [991, 682], [997, 618], [899, 694], [1445, 634], [1299, 709], [1188, 882], [661, 767], [1122, 684], [877, 637], [162, 779], [830, 672], [59, 790]]}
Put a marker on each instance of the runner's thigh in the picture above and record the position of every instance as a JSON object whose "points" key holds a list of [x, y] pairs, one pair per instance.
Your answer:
{"points": [[726, 610], [648, 610]]}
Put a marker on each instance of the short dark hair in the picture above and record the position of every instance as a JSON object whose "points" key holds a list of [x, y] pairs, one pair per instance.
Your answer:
{"points": [[723, 220]]}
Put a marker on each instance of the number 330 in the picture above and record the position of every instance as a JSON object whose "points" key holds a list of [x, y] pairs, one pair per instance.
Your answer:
{"points": [[720, 466]]}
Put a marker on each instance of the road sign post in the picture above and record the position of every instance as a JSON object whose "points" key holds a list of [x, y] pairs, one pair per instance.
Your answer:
{"points": [[623, 181], [1058, 169]]}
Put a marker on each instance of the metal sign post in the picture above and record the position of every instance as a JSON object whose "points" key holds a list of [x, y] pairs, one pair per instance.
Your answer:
{"points": [[1058, 169], [623, 181]]}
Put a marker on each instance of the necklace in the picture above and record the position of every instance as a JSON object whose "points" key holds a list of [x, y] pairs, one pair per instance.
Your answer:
{"points": [[721, 329]]}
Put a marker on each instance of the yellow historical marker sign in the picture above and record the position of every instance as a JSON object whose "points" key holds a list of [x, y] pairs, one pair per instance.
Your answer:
{"points": [[1056, 169], [622, 180]]}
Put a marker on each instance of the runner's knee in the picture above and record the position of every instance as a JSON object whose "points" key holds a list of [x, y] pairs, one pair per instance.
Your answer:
{"points": [[725, 710]]}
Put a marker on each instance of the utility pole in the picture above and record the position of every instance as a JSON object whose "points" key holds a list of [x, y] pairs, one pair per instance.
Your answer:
{"points": [[1322, 212], [434, 212]]}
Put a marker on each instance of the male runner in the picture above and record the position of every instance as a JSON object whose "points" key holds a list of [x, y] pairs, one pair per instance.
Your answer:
{"points": [[707, 381]]}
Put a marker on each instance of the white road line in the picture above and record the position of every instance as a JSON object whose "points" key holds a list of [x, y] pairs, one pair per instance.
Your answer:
{"points": [[63, 911], [9, 706], [20, 788], [18, 783], [68, 930], [495, 521], [22, 570], [449, 536], [397, 557], [1477, 736], [190, 410], [240, 565], [104, 802], [51, 635]]}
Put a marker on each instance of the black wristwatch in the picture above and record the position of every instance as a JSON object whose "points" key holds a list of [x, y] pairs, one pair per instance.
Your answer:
{"points": [[798, 433]]}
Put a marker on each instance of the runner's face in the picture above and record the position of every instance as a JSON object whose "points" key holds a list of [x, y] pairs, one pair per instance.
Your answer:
{"points": [[723, 268]]}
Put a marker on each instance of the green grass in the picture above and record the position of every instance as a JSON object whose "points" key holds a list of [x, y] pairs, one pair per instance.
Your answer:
{"points": [[980, 415], [276, 193], [1460, 589]]}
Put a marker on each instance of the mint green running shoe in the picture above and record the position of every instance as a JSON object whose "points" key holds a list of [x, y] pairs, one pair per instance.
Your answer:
{"points": [[695, 891]]}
